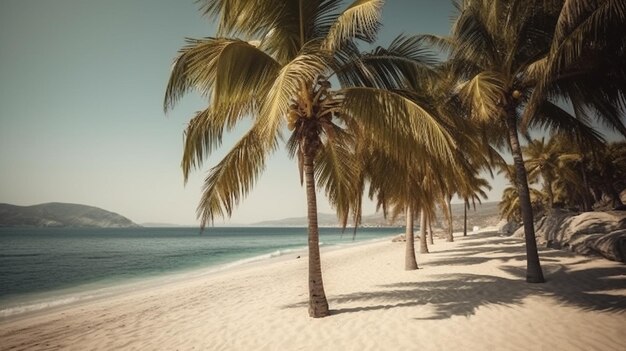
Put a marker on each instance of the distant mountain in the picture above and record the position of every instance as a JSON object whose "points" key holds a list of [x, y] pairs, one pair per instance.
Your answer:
{"points": [[165, 225], [323, 220], [57, 214], [485, 215]]}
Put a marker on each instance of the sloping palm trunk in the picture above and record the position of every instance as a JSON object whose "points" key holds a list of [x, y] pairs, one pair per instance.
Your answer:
{"points": [[423, 243], [534, 274], [318, 305], [450, 237], [430, 233], [410, 263], [465, 218]]}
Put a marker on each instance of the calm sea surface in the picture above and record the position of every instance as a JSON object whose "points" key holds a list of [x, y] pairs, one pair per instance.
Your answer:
{"points": [[45, 267]]}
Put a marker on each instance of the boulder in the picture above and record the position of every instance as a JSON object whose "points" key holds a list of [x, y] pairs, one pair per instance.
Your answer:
{"points": [[611, 245], [400, 237], [602, 233], [507, 228]]}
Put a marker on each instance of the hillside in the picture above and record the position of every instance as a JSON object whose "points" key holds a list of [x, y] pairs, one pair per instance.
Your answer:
{"points": [[323, 219], [485, 215], [61, 215]]}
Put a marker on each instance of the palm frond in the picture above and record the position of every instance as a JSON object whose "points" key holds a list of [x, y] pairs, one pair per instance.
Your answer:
{"points": [[474, 40], [361, 19], [242, 75], [251, 18], [202, 135], [583, 30], [580, 21], [293, 79], [234, 176], [229, 71], [406, 62], [552, 117], [443, 43], [336, 171], [325, 15], [390, 116], [484, 93]]}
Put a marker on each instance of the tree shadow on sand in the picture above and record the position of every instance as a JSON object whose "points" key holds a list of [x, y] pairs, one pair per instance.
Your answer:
{"points": [[477, 255], [462, 294], [469, 252]]}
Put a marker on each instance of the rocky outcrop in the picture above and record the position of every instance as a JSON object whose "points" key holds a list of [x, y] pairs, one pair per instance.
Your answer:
{"points": [[601, 233], [61, 215], [507, 228]]}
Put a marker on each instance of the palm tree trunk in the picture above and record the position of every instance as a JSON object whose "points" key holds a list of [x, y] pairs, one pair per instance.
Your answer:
{"points": [[450, 237], [423, 243], [465, 218], [410, 263], [430, 233], [318, 305], [534, 274]]}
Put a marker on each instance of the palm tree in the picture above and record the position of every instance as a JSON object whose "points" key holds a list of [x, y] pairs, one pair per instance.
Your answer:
{"points": [[430, 232], [572, 186], [277, 72], [510, 208], [431, 184], [405, 193], [406, 69], [495, 43], [586, 62], [509, 50], [471, 194], [607, 172], [546, 159]]}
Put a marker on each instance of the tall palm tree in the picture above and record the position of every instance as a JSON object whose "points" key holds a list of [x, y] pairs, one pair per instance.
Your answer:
{"points": [[496, 42], [586, 61], [271, 60], [511, 51], [405, 68]]}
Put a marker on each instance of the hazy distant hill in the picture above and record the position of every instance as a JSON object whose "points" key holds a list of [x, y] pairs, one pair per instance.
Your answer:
{"points": [[485, 215], [61, 215], [161, 225], [323, 220]]}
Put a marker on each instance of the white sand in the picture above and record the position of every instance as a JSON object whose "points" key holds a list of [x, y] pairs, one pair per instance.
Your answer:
{"points": [[467, 295]]}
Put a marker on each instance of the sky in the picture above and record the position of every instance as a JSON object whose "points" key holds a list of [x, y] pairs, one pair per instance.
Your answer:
{"points": [[81, 118]]}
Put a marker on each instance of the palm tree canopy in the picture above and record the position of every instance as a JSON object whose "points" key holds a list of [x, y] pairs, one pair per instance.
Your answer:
{"points": [[271, 60], [589, 57]]}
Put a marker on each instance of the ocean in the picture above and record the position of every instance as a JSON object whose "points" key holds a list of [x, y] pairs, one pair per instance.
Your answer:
{"points": [[47, 267]]}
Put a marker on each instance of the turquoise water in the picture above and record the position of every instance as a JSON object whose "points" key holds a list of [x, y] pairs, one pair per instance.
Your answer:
{"points": [[44, 262]]}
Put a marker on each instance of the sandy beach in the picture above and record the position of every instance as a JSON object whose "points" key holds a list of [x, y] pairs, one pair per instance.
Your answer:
{"points": [[467, 295]]}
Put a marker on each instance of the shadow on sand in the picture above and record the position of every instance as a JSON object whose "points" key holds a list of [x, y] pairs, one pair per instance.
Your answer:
{"points": [[461, 294]]}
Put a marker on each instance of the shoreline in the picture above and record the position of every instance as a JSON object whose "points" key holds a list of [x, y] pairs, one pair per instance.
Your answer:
{"points": [[44, 302], [468, 294]]}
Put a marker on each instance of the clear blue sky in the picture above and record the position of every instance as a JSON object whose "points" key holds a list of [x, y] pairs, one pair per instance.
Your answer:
{"points": [[81, 120]]}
